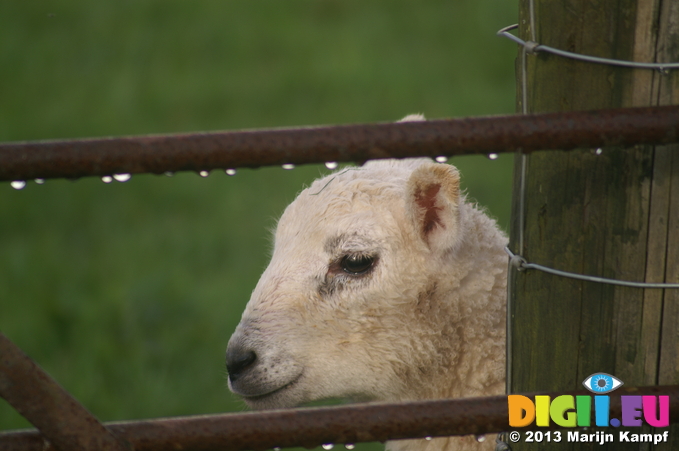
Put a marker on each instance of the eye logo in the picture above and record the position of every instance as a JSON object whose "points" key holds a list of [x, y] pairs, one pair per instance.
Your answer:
{"points": [[572, 411], [601, 383]]}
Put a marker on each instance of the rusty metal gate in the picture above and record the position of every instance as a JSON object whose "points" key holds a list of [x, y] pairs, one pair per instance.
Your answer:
{"points": [[64, 424]]}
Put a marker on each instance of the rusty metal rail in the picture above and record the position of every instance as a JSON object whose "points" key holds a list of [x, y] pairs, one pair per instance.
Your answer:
{"points": [[312, 427], [50, 408], [206, 151], [65, 425]]}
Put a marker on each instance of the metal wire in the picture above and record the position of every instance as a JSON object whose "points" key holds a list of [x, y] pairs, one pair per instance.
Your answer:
{"points": [[532, 47], [521, 264]]}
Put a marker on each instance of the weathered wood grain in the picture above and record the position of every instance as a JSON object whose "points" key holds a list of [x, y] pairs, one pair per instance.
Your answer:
{"points": [[612, 213]]}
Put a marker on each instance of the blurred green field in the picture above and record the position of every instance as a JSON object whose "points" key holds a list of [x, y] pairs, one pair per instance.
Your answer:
{"points": [[127, 293]]}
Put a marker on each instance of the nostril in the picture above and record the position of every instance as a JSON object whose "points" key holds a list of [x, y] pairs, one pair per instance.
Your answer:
{"points": [[238, 361]]}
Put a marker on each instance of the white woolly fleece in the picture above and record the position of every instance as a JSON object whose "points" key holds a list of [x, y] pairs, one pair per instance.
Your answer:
{"points": [[426, 320]]}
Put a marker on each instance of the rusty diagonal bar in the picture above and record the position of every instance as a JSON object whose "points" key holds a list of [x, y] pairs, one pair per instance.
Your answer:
{"points": [[312, 427], [50, 408], [206, 151]]}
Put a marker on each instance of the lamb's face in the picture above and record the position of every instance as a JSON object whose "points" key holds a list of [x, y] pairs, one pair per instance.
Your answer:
{"points": [[333, 314]]}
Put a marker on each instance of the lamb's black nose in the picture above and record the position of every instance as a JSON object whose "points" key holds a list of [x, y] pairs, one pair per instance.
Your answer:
{"points": [[238, 360]]}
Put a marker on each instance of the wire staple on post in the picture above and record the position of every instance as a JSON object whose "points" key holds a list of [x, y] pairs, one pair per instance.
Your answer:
{"points": [[521, 264], [534, 47]]}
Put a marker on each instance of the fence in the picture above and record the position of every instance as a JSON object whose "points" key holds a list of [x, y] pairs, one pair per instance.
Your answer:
{"points": [[207, 151], [65, 425]]}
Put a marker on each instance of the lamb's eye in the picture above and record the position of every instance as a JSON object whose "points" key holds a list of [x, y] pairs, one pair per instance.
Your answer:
{"points": [[357, 264]]}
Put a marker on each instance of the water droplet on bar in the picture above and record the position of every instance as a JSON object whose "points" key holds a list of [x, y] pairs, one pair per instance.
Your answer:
{"points": [[122, 177], [599, 151], [288, 166], [427, 438], [480, 438], [107, 179], [230, 172], [328, 446], [331, 164], [350, 446], [204, 173], [40, 181], [18, 184], [277, 448], [169, 173], [441, 159], [492, 156]]}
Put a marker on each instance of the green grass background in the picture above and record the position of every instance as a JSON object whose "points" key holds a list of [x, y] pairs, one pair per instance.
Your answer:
{"points": [[127, 293]]}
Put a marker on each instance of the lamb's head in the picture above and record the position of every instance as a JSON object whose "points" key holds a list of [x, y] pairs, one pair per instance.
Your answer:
{"points": [[349, 306]]}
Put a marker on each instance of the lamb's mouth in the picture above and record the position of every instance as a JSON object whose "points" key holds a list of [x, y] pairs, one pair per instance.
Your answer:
{"points": [[269, 395]]}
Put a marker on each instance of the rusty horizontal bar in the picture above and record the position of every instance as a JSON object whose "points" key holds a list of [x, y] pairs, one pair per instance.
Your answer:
{"points": [[221, 150], [63, 421], [312, 427]]}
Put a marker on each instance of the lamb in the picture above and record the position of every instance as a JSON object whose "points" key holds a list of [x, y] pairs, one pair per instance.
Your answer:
{"points": [[385, 284]]}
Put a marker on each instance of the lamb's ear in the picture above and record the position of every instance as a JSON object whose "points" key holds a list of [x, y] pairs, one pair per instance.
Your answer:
{"points": [[433, 203]]}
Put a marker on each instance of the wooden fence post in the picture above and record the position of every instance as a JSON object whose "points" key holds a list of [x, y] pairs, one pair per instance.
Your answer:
{"points": [[607, 212]]}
